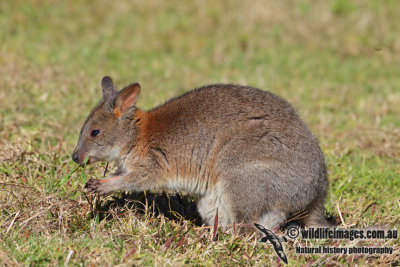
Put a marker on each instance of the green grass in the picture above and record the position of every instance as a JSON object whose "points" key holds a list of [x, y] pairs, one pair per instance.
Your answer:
{"points": [[337, 62]]}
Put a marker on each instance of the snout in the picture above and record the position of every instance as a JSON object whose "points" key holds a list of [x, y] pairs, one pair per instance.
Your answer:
{"points": [[75, 157], [78, 156]]}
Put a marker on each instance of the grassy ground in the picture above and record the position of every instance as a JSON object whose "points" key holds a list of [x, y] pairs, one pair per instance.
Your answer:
{"points": [[336, 61]]}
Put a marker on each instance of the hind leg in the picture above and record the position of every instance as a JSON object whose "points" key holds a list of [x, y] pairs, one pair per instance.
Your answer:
{"points": [[315, 217], [254, 195], [272, 219], [212, 201]]}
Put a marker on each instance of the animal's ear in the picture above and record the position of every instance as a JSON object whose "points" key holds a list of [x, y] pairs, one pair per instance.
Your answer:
{"points": [[108, 88], [127, 99]]}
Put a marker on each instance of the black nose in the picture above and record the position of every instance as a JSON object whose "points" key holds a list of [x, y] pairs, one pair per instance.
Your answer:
{"points": [[75, 157]]}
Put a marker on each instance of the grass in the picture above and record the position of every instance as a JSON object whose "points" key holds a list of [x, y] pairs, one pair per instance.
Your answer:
{"points": [[336, 62]]}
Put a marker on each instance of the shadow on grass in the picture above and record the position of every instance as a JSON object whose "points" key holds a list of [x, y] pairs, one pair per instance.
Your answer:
{"points": [[173, 207]]}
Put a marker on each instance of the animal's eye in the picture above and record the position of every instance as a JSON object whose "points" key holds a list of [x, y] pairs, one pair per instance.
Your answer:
{"points": [[94, 133]]}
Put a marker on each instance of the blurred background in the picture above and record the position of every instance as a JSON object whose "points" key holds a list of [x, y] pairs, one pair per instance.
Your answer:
{"points": [[336, 61]]}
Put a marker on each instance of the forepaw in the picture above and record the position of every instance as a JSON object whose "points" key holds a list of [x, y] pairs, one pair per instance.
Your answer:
{"points": [[97, 186]]}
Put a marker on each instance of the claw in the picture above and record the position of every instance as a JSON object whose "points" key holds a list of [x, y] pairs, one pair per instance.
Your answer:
{"points": [[94, 186]]}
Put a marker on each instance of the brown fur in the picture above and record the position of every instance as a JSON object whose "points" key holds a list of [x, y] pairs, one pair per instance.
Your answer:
{"points": [[117, 113], [239, 149]]}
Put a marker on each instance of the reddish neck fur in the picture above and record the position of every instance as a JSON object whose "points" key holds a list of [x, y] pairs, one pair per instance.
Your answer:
{"points": [[150, 124], [143, 120]]}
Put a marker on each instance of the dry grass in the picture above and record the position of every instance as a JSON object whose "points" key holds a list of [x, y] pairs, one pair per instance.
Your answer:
{"points": [[336, 61]]}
